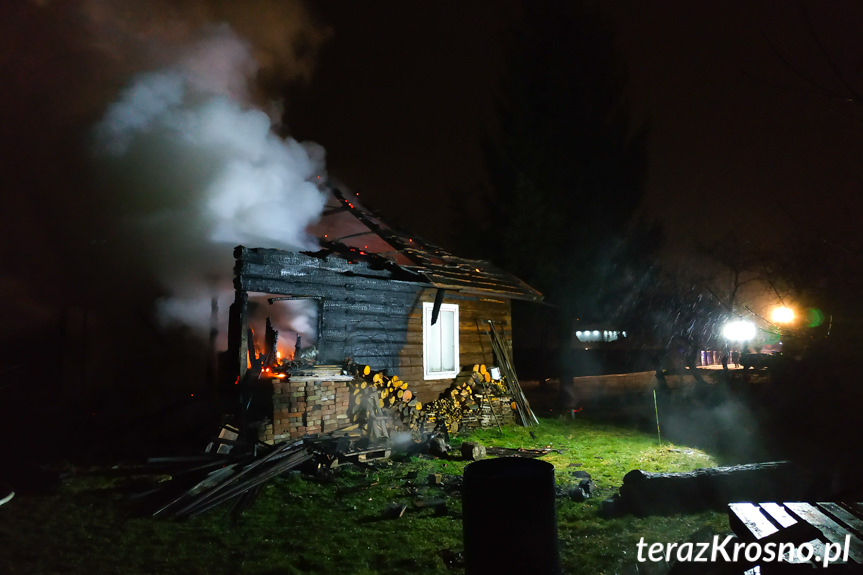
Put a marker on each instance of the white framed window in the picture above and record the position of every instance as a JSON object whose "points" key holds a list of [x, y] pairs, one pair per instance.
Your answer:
{"points": [[440, 342]]}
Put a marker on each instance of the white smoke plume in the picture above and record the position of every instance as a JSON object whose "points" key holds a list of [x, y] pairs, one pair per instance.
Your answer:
{"points": [[194, 168]]}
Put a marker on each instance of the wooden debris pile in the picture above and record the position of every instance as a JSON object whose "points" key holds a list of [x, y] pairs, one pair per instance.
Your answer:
{"points": [[232, 472], [235, 480]]}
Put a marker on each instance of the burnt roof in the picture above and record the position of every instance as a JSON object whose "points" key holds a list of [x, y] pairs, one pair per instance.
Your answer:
{"points": [[351, 231]]}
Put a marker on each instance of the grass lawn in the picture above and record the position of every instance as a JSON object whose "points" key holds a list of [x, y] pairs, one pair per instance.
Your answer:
{"points": [[337, 523]]}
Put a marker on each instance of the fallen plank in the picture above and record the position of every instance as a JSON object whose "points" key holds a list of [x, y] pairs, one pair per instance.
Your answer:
{"points": [[749, 523], [779, 515], [209, 503], [792, 530], [364, 456]]}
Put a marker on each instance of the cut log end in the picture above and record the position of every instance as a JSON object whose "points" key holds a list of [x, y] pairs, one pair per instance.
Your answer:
{"points": [[472, 451]]}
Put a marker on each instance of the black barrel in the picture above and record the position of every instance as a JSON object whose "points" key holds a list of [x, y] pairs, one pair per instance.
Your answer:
{"points": [[510, 522]]}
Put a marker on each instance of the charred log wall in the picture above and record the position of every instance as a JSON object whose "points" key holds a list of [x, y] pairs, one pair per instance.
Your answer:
{"points": [[363, 311], [371, 315]]}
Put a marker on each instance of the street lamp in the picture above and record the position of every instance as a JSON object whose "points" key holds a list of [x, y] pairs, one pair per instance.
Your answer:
{"points": [[782, 314], [740, 330]]}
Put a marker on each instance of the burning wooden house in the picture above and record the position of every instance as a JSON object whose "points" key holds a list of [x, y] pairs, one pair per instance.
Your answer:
{"points": [[370, 296]]}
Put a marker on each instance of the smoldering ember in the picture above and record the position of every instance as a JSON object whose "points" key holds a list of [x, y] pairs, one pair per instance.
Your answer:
{"points": [[533, 303]]}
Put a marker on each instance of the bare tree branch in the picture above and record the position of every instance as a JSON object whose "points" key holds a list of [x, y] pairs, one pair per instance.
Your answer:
{"points": [[856, 97], [816, 87]]}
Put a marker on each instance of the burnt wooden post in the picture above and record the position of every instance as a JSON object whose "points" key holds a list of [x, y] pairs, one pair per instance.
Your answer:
{"points": [[272, 341], [212, 372], [238, 345]]}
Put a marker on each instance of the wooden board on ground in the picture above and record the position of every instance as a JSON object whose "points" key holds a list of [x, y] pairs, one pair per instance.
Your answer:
{"points": [[365, 456], [747, 519]]}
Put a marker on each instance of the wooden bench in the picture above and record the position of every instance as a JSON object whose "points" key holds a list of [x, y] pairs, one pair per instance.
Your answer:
{"points": [[823, 527]]}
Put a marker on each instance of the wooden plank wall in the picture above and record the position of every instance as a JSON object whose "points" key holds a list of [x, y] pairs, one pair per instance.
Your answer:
{"points": [[474, 342], [372, 318]]}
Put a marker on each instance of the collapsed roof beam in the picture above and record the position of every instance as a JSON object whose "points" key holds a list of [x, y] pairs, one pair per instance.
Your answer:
{"points": [[356, 235]]}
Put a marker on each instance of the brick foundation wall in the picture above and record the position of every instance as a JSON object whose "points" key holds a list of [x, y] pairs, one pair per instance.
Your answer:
{"points": [[305, 405]]}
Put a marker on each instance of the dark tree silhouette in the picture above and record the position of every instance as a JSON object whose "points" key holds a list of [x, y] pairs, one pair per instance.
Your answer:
{"points": [[566, 170]]}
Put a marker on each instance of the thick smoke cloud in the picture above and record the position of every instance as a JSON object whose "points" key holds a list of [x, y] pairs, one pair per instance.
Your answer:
{"points": [[195, 169], [178, 103]]}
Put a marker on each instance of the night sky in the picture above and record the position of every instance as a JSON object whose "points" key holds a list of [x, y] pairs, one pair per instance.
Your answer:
{"points": [[749, 132]]}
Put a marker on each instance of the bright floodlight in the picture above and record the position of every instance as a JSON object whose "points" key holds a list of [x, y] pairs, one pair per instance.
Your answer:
{"points": [[739, 330], [782, 315]]}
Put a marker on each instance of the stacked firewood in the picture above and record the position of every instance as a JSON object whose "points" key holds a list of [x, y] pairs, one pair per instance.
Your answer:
{"points": [[478, 402], [381, 400], [376, 395]]}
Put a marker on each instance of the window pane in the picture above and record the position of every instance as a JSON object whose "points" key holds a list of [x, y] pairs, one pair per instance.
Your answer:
{"points": [[440, 342], [447, 345], [433, 351]]}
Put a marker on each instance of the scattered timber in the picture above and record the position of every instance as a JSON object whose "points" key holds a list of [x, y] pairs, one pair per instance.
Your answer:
{"points": [[201, 483]]}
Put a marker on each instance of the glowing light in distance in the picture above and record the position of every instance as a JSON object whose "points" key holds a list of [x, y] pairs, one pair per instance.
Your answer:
{"points": [[739, 330], [782, 315]]}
